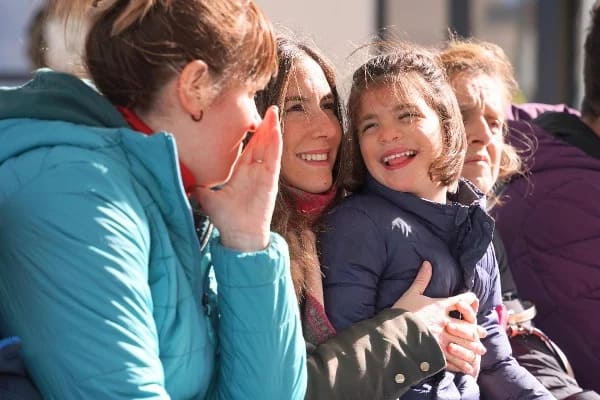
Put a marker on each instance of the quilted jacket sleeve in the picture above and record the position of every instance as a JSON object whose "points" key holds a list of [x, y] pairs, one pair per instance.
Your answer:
{"points": [[378, 358], [353, 257], [501, 377], [74, 248], [262, 351]]}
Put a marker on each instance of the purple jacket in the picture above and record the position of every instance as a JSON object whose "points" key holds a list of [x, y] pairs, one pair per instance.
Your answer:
{"points": [[372, 250], [550, 223]]}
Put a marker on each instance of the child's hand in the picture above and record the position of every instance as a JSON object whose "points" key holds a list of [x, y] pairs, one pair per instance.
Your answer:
{"points": [[458, 339]]}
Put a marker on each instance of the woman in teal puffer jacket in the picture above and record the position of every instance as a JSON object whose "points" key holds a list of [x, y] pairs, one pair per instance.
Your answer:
{"points": [[102, 275]]}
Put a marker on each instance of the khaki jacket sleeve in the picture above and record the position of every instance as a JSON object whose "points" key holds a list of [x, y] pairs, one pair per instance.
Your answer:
{"points": [[379, 358]]}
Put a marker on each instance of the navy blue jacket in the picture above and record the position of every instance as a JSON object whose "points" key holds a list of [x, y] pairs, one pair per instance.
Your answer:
{"points": [[14, 382], [371, 251]]}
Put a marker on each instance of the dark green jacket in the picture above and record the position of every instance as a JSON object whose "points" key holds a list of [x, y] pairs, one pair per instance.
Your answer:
{"points": [[375, 359]]}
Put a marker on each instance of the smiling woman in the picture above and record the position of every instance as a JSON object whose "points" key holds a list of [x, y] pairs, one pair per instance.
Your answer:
{"points": [[313, 130]]}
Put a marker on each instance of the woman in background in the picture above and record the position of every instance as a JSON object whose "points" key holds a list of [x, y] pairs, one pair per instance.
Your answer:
{"points": [[484, 83]]}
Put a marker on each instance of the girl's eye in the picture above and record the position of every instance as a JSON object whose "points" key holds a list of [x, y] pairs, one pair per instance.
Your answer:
{"points": [[408, 115], [368, 127]]}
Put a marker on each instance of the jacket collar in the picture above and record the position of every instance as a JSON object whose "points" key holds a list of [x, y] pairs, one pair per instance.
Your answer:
{"points": [[462, 223], [57, 96], [136, 123]]}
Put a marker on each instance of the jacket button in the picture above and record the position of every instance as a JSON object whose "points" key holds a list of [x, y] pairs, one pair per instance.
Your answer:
{"points": [[399, 378], [424, 366]]}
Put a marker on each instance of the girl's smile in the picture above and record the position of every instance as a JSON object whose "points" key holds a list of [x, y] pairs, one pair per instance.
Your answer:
{"points": [[400, 137]]}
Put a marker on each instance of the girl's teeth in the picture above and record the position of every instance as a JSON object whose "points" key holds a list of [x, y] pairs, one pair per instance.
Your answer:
{"points": [[408, 153], [314, 157]]}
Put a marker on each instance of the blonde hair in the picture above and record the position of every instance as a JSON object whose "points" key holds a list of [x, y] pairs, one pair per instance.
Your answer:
{"points": [[478, 57], [135, 10]]}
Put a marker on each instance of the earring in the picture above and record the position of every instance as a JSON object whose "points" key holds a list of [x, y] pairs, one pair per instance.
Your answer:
{"points": [[199, 117]]}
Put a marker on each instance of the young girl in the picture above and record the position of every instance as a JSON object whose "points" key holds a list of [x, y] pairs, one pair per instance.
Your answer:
{"points": [[409, 206]]}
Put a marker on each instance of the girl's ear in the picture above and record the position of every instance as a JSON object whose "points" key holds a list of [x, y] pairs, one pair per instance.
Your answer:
{"points": [[194, 87]]}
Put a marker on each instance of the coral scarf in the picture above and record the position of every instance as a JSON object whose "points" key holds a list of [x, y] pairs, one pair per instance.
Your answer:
{"points": [[312, 204], [136, 123], [315, 324]]}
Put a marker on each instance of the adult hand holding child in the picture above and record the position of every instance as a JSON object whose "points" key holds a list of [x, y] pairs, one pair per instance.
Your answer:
{"points": [[458, 338]]}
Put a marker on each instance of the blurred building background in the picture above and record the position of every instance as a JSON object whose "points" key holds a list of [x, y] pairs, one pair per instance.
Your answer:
{"points": [[543, 38]]}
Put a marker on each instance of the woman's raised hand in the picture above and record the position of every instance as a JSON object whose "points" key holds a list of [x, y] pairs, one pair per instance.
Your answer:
{"points": [[243, 207], [459, 339]]}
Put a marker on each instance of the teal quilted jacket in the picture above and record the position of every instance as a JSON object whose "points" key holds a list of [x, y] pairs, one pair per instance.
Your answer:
{"points": [[101, 272]]}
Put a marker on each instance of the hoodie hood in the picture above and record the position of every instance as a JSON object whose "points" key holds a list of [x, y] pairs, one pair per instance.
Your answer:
{"points": [[571, 129], [34, 115], [555, 141], [57, 96]]}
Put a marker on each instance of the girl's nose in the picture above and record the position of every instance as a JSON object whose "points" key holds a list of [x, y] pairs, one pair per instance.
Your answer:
{"points": [[389, 135]]}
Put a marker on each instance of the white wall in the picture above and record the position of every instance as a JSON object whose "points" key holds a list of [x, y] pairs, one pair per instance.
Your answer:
{"points": [[424, 22], [336, 26]]}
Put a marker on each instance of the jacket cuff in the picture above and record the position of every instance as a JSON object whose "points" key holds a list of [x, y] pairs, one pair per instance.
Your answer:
{"points": [[250, 269], [423, 356]]}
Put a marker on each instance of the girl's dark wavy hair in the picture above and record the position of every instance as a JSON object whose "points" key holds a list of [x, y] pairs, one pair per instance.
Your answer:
{"points": [[406, 67]]}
